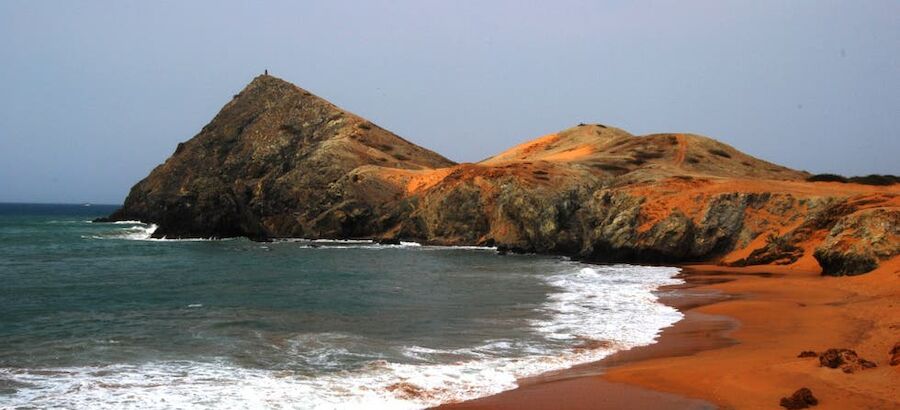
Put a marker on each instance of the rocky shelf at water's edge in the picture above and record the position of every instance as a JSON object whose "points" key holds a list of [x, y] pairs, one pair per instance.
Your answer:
{"points": [[278, 161]]}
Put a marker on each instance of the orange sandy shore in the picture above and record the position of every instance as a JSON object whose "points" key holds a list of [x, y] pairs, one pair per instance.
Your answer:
{"points": [[738, 344]]}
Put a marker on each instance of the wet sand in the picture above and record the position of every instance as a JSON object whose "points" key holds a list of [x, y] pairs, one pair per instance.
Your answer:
{"points": [[738, 344]]}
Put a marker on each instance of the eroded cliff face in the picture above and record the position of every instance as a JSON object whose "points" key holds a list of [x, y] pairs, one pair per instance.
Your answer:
{"points": [[280, 162], [668, 208]]}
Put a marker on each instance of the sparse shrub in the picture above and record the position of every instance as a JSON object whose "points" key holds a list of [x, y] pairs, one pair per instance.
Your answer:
{"points": [[364, 125], [610, 167], [693, 160], [827, 178], [401, 157], [291, 129], [873, 179], [781, 243], [645, 155], [719, 152]]}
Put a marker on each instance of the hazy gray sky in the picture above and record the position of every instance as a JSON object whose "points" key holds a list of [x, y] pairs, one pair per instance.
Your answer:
{"points": [[94, 94]]}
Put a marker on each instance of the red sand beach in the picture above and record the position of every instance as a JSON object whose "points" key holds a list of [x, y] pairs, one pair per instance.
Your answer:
{"points": [[738, 345]]}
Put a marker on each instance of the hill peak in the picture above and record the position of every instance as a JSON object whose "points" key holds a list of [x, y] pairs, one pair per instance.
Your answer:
{"points": [[264, 159], [271, 81], [616, 152], [265, 88]]}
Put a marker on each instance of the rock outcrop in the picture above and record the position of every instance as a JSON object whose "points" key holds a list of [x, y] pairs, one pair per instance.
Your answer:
{"points": [[278, 161], [858, 241], [274, 162]]}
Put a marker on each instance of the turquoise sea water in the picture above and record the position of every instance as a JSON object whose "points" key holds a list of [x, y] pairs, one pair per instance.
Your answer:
{"points": [[97, 315]]}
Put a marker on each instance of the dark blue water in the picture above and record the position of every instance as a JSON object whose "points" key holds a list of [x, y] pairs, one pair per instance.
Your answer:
{"points": [[98, 315]]}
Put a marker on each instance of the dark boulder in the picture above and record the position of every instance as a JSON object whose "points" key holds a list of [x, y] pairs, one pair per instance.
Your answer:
{"points": [[845, 359], [895, 354], [801, 399]]}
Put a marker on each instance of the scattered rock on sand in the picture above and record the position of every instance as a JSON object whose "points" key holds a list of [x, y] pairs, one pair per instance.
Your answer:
{"points": [[845, 359], [593, 344], [801, 399], [407, 390], [808, 353], [895, 354]]}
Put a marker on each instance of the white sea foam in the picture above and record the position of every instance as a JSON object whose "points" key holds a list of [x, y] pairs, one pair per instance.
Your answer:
{"points": [[128, 222], [474, 248], [370, 244], [139, 231], [351, 243], [615, 304], [164, 239], [338, 241]]}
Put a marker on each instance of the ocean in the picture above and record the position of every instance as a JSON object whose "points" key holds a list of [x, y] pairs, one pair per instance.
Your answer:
{"points": [[98, 315]]}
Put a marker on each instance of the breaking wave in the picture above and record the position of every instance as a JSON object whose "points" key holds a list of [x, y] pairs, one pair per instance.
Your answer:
{"points": [[592, 312], [139, 231]]}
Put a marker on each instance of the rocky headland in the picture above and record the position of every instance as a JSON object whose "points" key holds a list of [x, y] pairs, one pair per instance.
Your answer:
{"points": [[278, 161]]}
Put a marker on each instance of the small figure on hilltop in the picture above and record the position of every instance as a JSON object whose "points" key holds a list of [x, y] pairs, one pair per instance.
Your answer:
{"points": [[266, 72]]}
